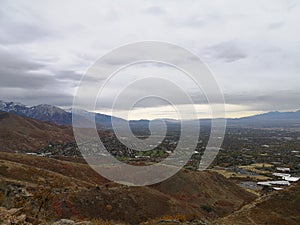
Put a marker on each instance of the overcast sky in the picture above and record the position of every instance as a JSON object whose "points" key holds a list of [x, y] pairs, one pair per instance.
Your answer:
{"points": [[252, 48]]}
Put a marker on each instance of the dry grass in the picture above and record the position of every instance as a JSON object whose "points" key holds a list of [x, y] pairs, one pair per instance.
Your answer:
{"points": [[229, 174], [279, 208], [257, 168], [82, 193]]}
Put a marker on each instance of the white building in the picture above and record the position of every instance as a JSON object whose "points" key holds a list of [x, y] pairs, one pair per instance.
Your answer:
{"points": [[283, 169], [277, 182], [292, 179], [281, 175]]}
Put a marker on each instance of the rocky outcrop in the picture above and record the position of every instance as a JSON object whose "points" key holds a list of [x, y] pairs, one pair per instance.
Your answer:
{"points": [[12, 216]]}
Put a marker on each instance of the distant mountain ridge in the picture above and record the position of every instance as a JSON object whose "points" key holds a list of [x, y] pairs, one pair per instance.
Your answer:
{"points": [[59, 116], [277, 115], [42, 112], [50, 113], [269, 119]]}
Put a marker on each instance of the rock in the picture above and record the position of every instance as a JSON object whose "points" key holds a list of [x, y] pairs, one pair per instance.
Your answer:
{"points": [[12, 216], [109, 208], [71, 222], [176, 222], [84, 223], [64, 222]]}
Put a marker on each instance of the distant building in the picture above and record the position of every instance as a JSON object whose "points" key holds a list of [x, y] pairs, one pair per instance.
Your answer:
{"points": [[277, 188], [282, 175], [142, 157], [270, 183], [292, 179], [286, 176], [283, 169], [276, 163]]}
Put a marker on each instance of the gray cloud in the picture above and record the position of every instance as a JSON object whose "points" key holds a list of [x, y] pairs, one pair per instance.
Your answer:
{"points": [[29, 82], [195, 21], [68, 75], [276, 25], [34, 97], [19, 27], [155, 10], [19, 72], [252, 47], [24, 80], [267, 101], [228, 51]]}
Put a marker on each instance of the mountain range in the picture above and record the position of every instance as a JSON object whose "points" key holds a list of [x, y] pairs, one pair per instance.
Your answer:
{"points": [[50, 113], [59, 116], [270, 119]]}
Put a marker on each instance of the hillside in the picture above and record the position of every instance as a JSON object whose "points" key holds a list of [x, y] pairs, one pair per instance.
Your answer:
{"points": [[76, 191], [26, 135], [206, 190], [279, 208]]}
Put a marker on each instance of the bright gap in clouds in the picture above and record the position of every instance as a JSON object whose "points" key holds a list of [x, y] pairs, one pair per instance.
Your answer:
{"points": [[150, 113], [151, 106], [152, 90]]}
